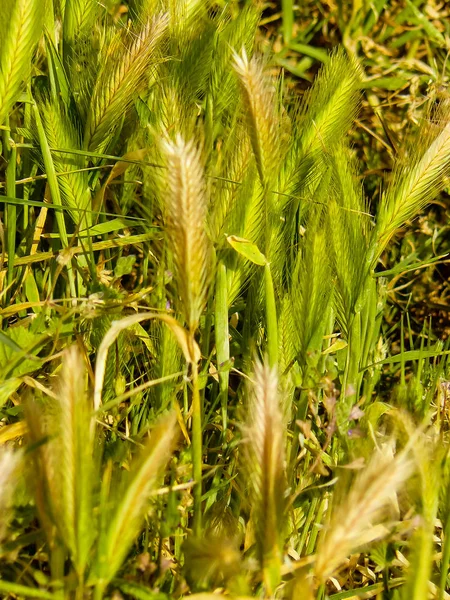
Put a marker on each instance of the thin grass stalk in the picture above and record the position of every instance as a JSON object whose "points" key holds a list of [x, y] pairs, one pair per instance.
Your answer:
{"points": [[310, 516], [287, 8], [372, 321], [428, 454], [197, 450], [206, 342], [420, 568], [23, 591], [49, 19], [222, 338], [28, 166], [11, 157], [105, 491], [316, 526], [301, 412], [351, 374], [57, 560], [271, 317]]}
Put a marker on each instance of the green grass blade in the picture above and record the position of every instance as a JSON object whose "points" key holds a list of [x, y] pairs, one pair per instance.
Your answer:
{"points": [[23, 32]]}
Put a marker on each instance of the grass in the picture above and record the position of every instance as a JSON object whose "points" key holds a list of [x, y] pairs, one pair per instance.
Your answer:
{"points": [[212, 383]]}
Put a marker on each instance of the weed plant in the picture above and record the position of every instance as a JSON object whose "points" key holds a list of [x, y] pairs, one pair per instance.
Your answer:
{"points": [[197, 394]]}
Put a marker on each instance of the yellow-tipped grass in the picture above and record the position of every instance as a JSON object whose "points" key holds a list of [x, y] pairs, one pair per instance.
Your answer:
{"points": [[261, 113], [358, 518], [186, 208], [331, 104], [416, 179], [74, 428], [264, 465], [123, 73], [16, 49]]}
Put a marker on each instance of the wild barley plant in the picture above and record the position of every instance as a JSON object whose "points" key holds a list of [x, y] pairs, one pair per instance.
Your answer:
{"points": [[251, 236], [265, 463], [90, 519]]}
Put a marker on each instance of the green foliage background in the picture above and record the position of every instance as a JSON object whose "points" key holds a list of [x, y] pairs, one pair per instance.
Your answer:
{"points": [[223, 348]]}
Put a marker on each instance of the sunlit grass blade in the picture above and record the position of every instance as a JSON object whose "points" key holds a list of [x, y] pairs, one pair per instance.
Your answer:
{"points": [[417, 178], [127, 61], [261, 113], [330, 105], [17, 47]]}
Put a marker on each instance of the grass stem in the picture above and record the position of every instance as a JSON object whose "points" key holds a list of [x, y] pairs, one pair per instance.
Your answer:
{"points": [[197, 450], [271, 318], [222, 338]]}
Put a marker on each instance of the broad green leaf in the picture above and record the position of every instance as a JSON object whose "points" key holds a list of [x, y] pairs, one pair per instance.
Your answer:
{"points": [[247, 249], [32, 292], [13, 347], [339, 345], [124, 265], [11, 344], [7, 388]]}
